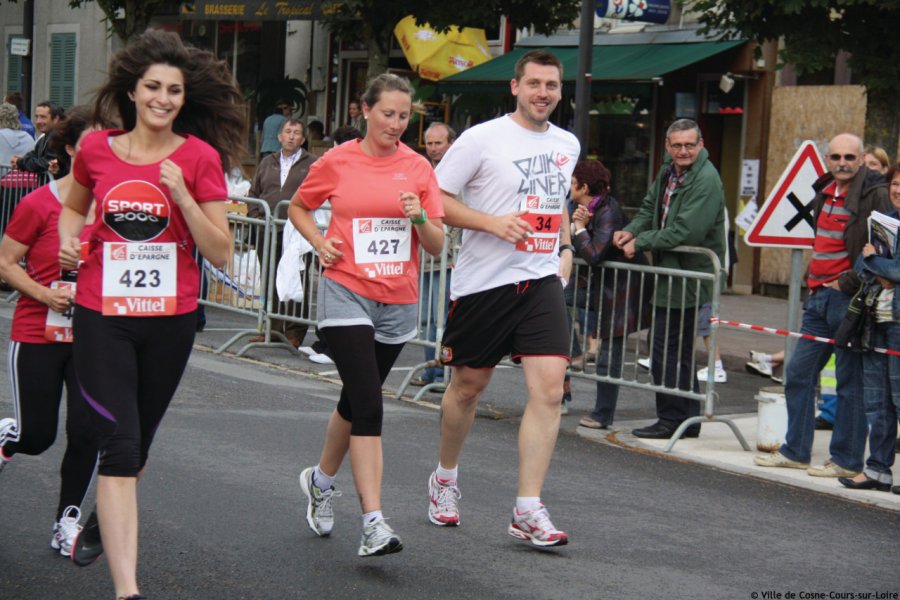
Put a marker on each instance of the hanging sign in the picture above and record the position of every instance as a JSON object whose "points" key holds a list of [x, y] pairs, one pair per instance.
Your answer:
{"points": [[653, 11]]}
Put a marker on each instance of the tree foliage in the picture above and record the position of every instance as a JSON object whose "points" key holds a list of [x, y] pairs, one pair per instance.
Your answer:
{"points": [[373, 21], [815, 30], [137, 15]]}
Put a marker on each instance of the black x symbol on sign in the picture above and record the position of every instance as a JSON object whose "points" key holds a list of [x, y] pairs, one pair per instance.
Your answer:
{"points": [[804, 212]]}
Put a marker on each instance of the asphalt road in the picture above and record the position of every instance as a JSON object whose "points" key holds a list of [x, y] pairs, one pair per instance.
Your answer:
{"points": [[222, 513]]}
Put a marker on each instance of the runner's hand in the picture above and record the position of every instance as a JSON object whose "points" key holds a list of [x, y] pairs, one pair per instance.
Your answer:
{"points": [[328, 251], [170, 175], [69, 253], [411, 205], [511, 227], [59, 299]]}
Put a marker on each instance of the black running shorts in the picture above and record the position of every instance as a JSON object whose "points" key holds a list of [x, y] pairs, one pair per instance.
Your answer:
{"points": [[520, 319]]}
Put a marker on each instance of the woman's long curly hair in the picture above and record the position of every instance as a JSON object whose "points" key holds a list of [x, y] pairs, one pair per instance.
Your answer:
{"points": [[213, 108]]}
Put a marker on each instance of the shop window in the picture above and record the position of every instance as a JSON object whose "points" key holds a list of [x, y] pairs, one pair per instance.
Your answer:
{"points": [[717, 101], [620, 137]]}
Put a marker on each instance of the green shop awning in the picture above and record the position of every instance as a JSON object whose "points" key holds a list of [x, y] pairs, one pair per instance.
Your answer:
{"points": [[627, 62]]}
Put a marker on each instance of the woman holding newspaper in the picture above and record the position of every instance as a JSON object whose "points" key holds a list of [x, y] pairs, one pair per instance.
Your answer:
{"points": [[881, 372]]}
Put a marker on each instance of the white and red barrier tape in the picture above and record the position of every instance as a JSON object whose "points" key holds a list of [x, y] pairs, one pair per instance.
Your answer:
{"points": [[785, 332]]}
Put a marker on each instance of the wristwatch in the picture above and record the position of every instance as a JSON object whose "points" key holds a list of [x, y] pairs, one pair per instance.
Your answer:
{"points": [[566, 247]]}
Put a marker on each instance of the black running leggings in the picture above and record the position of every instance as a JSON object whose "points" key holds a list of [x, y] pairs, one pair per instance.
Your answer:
{"points": [[37, 373], [129, 369], [363, 364]]}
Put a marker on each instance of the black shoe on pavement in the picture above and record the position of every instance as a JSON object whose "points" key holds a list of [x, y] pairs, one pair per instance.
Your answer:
{"points": [[866, 484], [88, 545], [823, 424], [661, 431]]}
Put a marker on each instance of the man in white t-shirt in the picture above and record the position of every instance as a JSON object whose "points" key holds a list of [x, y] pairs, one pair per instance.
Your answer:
{"points": [[507, 299]]}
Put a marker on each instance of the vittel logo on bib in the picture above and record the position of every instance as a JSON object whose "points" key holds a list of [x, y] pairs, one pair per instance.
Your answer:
{"points": [[136, 210]]}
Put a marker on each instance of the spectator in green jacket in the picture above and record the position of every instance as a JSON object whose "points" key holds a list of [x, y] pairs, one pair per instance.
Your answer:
{"points": [[685, 206]]}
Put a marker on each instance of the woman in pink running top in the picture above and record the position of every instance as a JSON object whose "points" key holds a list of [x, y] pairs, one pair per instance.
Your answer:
{"points": [[159, 190]]}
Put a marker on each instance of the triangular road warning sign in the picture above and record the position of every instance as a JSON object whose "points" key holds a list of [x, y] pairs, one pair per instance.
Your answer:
{"points": [[786, 217]]}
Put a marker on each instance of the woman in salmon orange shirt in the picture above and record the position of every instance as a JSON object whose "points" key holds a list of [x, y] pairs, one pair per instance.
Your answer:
{"points": [[385, 201]]}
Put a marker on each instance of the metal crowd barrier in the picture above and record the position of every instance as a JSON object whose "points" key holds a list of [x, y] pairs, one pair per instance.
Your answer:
{"points": [[635, 279], [638, 279], [247, 286], [434, 287], [302, 313], [15, 185], [239, 287]]}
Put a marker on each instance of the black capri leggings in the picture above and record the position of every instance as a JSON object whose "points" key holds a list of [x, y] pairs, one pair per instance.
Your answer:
{"points": [[37, 373], [129, 369], [363, 364]]}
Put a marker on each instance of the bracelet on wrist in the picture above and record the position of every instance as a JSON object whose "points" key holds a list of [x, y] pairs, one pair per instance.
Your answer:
{"points": [[569, 247], [423, 218]]}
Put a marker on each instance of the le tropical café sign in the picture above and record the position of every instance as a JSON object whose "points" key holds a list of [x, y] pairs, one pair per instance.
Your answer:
{"points": [[258, 10]]}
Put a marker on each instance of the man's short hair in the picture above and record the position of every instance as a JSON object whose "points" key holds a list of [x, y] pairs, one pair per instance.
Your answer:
{"points": [[451, 135], [293, 121], [684, 125], [17, 100], [56, 111], [316, 126], [346, 133], [540, 57]]}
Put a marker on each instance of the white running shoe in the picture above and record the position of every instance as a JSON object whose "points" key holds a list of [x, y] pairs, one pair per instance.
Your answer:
{"points": [[379, 539], [536, 527], [319, 512], [321, 359], [759, 364], [443, 508], [719, 376], [644, 362], [66, 530]]}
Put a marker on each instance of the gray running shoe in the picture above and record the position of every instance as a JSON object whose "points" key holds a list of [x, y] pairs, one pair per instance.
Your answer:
{"points": [[379, 539], [319, 512]]}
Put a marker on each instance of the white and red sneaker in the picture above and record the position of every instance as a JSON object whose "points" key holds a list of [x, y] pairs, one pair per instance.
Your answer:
{"points": [[443, 508], [535, 526]]}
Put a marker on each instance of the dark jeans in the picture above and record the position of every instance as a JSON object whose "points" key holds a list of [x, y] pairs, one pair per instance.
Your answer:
{"points": [[673, 343], [609, 362]]}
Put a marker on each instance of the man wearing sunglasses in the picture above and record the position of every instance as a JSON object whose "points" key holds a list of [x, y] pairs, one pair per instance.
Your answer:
{"points": [[845, 196], [685, 206]]}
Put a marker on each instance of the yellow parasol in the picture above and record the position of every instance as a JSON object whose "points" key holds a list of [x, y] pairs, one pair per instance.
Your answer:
{"points": [[436, 55]]}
